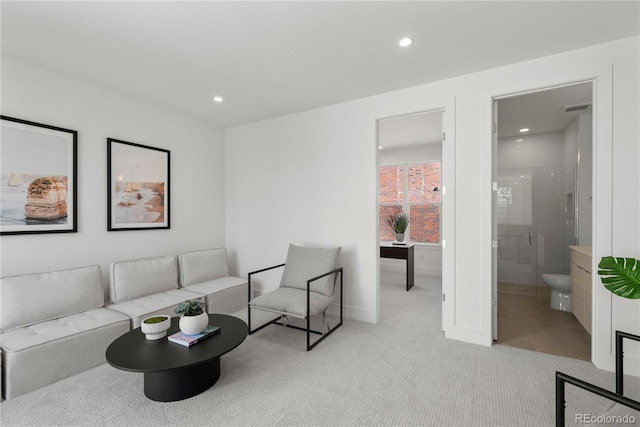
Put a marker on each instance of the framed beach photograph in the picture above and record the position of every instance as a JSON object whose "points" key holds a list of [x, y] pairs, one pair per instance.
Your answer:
{"points": [[138, 181], [38, 178]]}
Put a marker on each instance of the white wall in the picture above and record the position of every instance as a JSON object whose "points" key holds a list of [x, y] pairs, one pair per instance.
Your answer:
{"points": [[535, 150], [311, 178], [197, 173], [423, 153]]}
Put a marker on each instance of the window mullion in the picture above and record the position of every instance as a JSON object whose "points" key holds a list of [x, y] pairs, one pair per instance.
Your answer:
{"points": [[405, 202]]}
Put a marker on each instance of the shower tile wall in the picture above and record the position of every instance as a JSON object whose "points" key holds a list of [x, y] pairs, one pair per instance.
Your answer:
{"points": [[532, 197]]}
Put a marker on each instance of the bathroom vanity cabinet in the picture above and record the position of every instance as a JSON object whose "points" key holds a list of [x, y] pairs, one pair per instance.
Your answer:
{"points": [[581, 284]]}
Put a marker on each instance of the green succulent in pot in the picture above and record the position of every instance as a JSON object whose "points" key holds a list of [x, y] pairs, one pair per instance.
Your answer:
{"points": [[189, 308], [621, 276]]}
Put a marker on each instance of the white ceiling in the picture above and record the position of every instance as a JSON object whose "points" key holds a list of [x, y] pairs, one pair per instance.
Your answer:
{"points": [[273, 58], [542, 111]]}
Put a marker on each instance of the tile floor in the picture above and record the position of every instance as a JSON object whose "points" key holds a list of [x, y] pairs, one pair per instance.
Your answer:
{"points": [[528, 322]]}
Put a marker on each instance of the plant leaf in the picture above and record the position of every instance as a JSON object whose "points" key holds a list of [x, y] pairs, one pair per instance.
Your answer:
{"points": [[621, 276]]}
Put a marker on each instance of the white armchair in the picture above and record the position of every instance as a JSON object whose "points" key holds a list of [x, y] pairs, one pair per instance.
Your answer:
{"points": [[307, 289]]}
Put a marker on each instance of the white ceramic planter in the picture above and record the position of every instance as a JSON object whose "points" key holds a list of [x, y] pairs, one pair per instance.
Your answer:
{"points": [[192, 325], [156, 330]]}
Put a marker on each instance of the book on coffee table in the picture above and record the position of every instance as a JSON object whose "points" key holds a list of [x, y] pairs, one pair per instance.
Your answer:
{"points": [[189, 340]]}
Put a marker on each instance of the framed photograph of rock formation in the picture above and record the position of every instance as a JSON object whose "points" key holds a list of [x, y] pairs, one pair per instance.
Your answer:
{"points": [[138, 180], [38, 171]]}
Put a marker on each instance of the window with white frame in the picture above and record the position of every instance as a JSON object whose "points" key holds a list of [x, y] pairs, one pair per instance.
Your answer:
{"points": [[412, 188]]}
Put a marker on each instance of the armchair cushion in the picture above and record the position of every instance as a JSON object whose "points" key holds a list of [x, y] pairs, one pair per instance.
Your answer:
{"points": [[292, 301], [304, 263]]}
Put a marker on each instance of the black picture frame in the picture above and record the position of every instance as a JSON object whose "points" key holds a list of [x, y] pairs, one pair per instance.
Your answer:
{"points": [[39, 178], [138, 190]]}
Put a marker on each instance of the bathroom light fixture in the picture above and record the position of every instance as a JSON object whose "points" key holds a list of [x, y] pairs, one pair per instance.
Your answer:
{"points": [[405, 42], [524, 130], [218, 99]]}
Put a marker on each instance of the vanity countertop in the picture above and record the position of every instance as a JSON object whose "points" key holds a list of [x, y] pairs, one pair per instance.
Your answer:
{"points": [[585, 250]]}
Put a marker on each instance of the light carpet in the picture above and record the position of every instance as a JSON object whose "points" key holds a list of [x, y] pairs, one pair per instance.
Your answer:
{"points": [[401, 371]]}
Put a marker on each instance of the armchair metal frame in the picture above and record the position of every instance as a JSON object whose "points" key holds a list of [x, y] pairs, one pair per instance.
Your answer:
{"points": [[618, 396], [307, 317]]}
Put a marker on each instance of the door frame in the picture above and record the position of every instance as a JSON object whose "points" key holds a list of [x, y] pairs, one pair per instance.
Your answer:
{"points": [[602, 177], [447, 206]]}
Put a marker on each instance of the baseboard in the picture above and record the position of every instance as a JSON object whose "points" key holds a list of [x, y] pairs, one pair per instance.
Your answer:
{"points": [[422, 271], [349, 312]]}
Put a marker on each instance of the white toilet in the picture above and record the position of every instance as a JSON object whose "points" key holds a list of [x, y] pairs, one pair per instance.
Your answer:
{"points": [[560, 285]]}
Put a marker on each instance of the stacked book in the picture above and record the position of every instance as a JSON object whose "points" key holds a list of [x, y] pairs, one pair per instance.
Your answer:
{"points": [[189, 340]]}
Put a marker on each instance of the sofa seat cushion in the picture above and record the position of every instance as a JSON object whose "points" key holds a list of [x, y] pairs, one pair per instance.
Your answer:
{"points": [[292, 301], [42, 333], [30, 361], [161, 303], [49, 296], [211, 287]]}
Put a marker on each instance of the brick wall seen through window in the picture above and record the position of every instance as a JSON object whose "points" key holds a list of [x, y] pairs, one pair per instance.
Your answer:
{"points": [[415, 189]]}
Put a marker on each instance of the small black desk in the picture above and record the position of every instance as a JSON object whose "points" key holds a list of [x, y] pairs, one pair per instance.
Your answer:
{"points": [[172, 371], [401, 252]]}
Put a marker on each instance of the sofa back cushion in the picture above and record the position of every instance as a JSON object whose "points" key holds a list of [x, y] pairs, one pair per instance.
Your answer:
{"points": [[202, 266], [141, 277], [304, 263], [34, 298]]}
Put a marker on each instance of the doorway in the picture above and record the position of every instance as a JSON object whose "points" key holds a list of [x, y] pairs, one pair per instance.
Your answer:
{"points": [[542, 205], [410, 154]]}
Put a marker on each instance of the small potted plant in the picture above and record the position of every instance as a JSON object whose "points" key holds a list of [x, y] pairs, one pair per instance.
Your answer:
{"points": [[399, 222], [155, 327], [193, 318]]}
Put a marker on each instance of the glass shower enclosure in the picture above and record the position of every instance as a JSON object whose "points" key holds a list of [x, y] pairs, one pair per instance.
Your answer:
{"points": [[536, 215]]}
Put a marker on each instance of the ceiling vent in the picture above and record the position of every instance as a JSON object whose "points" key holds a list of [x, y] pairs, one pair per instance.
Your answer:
{"points": [[575, 107]]}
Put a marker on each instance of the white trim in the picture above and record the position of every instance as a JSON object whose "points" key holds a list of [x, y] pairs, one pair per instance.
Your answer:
{"points": [[601, 355]]}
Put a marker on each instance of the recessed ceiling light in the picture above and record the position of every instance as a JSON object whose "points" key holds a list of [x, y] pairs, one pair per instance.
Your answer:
{"points": [[380, 147], [405, 42], [217, 98], [524, 130]]}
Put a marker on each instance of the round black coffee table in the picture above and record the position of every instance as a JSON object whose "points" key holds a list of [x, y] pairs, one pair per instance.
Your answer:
{"points": [[172, 371]]}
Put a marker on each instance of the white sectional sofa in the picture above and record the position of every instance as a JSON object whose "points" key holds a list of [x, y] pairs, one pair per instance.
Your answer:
{"points": [[53, 325], [144, 287]]}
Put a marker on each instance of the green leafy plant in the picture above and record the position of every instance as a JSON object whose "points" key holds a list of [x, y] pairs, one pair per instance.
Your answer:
{"points": [[621, 276], [399, 222], [190, 308]]}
